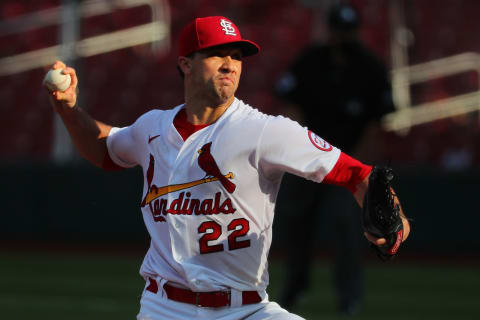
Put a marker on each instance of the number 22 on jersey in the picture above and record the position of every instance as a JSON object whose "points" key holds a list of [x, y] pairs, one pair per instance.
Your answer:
{"points": [[213, 230]]}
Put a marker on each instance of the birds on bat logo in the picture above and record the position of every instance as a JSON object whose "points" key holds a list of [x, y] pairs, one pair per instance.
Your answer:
{"points": [[184, 204], [208, 164]]}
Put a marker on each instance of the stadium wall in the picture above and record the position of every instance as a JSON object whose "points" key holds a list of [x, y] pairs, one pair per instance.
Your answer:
{"points": [[83, 204]]}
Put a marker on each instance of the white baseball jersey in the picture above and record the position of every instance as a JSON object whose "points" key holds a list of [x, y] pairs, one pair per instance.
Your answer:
{"points": [[208, 202]]}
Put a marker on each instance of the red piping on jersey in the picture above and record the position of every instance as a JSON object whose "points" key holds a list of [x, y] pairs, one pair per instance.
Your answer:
{"points": [[347, 172], [109, 165], [185, 128]]}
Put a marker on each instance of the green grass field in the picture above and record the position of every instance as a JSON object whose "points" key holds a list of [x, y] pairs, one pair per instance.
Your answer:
{"points": [[78, 286]]}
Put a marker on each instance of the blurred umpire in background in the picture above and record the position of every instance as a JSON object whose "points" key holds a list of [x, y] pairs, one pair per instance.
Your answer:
{"points": [[340, 90]]}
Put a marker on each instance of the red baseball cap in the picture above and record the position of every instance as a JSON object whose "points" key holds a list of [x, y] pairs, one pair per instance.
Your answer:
{"points": [[213, 31]]}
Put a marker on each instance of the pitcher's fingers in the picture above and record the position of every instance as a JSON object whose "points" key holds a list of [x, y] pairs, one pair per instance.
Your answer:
{"points": [[51, 94], [59, 65], [406, 229], [59, 95], [73, 76], [375, 240]]}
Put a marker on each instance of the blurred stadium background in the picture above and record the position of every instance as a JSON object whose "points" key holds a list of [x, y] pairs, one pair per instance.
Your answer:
{"points": [[70, 232]]}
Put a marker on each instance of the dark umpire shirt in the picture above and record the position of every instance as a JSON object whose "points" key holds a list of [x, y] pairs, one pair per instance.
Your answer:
{"points": [[340, 90]]}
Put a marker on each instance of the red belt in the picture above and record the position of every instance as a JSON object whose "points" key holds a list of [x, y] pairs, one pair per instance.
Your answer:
{"points": [[215, 299]]}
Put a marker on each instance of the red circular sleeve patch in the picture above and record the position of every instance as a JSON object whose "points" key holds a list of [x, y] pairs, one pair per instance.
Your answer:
{"points": [[318, 142]]}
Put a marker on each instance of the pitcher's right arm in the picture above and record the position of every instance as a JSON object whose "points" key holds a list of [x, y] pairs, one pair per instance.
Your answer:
{"points": [[88, 135]]}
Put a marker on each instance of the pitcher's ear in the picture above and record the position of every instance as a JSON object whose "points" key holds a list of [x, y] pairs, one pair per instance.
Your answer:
{"points": [[185, 64]]}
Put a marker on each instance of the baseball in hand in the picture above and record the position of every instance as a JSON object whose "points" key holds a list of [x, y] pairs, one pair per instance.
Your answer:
{"points": [[55, 80]]}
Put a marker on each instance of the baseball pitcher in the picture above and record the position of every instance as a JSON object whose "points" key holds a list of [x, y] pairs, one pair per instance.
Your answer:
{"points": [[212, 169]]}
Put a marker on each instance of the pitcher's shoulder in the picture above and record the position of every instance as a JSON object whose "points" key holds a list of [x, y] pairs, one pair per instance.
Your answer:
{"points": [[247, 112], [157, 115]]}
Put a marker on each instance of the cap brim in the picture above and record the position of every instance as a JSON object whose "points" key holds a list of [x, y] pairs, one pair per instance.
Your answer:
{"points": [[249, 48]]}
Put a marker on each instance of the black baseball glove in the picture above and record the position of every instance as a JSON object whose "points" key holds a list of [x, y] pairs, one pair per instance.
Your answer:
{"points": [[381, 216]]}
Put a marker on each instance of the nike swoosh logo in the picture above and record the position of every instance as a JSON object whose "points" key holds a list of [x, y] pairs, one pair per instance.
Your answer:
{"points": [[150, 139]]}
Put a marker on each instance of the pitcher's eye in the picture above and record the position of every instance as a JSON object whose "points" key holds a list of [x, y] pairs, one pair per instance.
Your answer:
{"points": [[214, 54], [237, 56]]}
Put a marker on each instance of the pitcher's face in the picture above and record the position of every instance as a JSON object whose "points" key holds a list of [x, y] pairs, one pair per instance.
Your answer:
{"points": [[216, 71]]}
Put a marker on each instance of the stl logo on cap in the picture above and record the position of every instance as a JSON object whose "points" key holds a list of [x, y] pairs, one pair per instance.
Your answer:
{"points": [[227, 27], [213, 31]]}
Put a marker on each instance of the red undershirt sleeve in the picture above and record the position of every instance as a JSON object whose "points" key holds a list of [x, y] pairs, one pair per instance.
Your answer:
{"points": [[347, 172], [109, 165]]}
